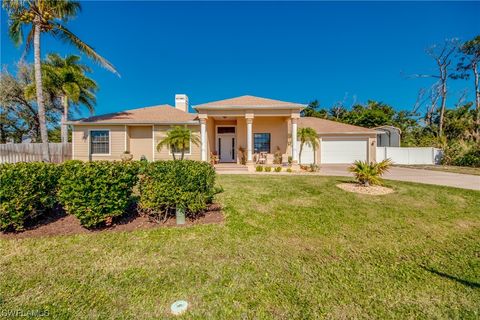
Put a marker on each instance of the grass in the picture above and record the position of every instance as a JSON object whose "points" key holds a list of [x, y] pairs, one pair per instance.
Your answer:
{"points": [[453, 169], [294, 247]]}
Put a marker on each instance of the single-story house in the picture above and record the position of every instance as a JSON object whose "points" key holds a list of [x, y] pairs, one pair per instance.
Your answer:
{"points": [[388, 136], [256, 125]]}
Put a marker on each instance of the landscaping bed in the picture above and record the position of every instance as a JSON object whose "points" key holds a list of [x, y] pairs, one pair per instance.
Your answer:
{"points": [[60, 223]]}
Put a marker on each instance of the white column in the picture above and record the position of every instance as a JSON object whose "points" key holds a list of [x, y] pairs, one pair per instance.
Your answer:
{"points": [[203, 137], [294, 140], [249, 140]]}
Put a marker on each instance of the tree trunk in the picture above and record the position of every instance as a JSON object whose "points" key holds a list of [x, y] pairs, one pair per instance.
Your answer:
{"points": [[64, 126], [39, 88], [183, 151], [173, 151], [444, 102], [300, 153], [477, 100]]}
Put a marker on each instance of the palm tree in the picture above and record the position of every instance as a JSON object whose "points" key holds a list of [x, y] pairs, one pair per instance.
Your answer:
{"points": [[370, 173], [66, 79], [179, 138], [45, 16], [309, 137]]}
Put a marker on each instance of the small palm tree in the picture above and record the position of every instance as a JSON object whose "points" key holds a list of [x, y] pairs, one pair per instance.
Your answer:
{"points": [[178, 138], [370, 173], [309, 137], [65, 78], [45, 16]]}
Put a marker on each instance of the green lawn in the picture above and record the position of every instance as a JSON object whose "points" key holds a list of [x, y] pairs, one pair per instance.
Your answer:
{"points": [[291, 247], [453, 169]]}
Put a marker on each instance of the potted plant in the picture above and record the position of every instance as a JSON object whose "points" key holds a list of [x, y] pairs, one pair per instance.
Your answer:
{"points": [[126, 156]]}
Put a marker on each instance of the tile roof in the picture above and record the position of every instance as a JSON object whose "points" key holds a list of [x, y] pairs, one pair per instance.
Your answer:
{"points": [[157, 114], [329, 126], [249, 101]]}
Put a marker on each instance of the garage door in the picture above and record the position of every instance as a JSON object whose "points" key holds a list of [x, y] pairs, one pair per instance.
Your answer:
{"points": [[343, 151]]}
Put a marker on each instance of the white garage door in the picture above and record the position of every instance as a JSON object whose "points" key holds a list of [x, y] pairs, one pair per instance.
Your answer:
{"points": [[343, 151]]}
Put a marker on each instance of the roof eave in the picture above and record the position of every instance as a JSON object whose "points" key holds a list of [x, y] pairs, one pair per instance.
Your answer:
{"points": [[132, 123], [272, 107]]}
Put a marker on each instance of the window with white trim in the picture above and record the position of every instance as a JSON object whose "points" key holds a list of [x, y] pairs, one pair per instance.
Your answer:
{"points": [[99, 142]]}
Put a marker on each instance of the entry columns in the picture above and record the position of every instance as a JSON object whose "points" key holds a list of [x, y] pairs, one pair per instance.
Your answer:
{"points": [[249, 120], [294, 140], [203, 138]]}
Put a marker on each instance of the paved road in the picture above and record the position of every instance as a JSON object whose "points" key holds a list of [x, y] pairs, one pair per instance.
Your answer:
{"points": [[464, 181]]}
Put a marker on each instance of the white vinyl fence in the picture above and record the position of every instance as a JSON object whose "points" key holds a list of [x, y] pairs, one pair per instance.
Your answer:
{"points": [[30, 152], [401, 155]]}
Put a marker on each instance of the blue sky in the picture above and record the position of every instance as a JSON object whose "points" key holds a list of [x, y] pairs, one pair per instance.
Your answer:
{"points": [[289, 51]]}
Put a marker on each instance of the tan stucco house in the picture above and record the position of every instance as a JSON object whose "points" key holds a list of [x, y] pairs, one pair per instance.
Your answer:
{"points": [[256, 125]]}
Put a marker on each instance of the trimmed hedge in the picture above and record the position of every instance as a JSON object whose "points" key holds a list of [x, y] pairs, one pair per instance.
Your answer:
{"points": [[164, 185], [96, 191], [27, 190]]}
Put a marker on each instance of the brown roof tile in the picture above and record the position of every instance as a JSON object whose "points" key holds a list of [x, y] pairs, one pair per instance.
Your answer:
{"points": [[248, 101], [329, 126], [156, 114]]}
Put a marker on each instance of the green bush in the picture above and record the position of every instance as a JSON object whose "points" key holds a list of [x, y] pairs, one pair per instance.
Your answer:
{"points": [[259, 168], [268, 169], [27, 190], [278, 169], [166, 185], [469, 159], [289, 170], [96, 191]]}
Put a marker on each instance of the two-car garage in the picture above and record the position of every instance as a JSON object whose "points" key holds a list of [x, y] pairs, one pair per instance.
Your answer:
{"points": [[339, 143], [338, 150]]}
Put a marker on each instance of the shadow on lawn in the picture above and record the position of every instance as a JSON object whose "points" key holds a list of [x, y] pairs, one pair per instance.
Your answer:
{"points": [[467, 283]]}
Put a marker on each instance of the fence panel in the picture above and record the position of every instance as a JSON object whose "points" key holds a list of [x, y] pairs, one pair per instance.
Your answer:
{"points": [[400, 155], [30, 152]]}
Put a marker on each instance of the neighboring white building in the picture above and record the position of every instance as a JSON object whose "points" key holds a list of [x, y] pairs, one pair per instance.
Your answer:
{"points": [[388, 136]]}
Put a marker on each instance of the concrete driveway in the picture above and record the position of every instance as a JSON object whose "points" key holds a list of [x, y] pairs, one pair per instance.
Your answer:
{"points": [[464, 181]]}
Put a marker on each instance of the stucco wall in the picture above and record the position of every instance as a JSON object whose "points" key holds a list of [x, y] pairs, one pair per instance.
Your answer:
{"points": [[140, 142]]}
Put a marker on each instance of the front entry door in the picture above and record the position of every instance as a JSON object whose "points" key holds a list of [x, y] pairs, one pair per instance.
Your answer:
{"points": [[226, 148]]}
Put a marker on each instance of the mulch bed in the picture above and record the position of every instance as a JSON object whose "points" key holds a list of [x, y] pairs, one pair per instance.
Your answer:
{"points": [[63, 224], [370, 190]]}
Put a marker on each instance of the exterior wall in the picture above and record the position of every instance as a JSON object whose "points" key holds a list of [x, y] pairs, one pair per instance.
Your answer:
{"points": [[278, 129], [160, 131], [140, 142], [81, 142]]}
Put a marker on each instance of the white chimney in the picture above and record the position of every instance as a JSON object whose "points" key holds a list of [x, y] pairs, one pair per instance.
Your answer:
{"points": [[181, 102]]}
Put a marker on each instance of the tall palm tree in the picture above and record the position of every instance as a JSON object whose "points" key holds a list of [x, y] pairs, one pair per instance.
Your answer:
{"points": [[179, 138], [46, 16], [309, 137], [66, 79]]}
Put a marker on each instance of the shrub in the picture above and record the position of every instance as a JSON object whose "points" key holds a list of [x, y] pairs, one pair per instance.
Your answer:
{"points": [[166, 185], [97, 191], [268, 169], [314, 168], [289, 170], [278, 169], [469, 159], [370, 173], [259, 168], [27, 190]]}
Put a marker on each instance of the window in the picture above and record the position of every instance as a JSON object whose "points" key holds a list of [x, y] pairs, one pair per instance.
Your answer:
{"points": [[99, 142], [226, 130], [261, 142]]}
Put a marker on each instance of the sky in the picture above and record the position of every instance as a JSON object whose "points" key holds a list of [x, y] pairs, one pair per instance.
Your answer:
{"points": [[343, 51]]}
